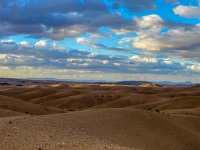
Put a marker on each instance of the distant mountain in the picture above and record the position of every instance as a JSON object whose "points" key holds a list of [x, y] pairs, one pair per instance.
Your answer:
{"points": [[137, 83], [7, 81], [132, 82], [175, 83]]}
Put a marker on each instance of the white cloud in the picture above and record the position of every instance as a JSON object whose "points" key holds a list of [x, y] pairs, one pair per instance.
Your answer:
{"points": [[187, 11], [149, 28], [125, 40], [121, 31], [140, 59], [117, 64], [149, 35], [25, 44], [82, 40], [9, 41], [149, 21], [152, 39], [41, 43], [3, 56], [150, 43], [70, 31], [71, 60], [167, 61], [195, 68], [105, 62]]}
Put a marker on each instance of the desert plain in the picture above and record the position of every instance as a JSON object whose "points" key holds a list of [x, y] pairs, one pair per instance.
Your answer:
{"points": [[83, 116]]}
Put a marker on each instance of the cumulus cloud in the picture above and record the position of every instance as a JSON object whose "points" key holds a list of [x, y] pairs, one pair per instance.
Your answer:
{"points": [[144, 59], [41, 43], [149, 21], [174, 39], [187, 11], [148, 27], [57, 20], [25, 44], [156, 35], [82, 40], [195, 67]]}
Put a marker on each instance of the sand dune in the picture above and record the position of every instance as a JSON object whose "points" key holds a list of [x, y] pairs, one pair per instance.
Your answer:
{"points": [[55, 96], [92, 96], [101, 129], [99, 117], [149, 85], [35, 93], [84, 101], [18, 105]]}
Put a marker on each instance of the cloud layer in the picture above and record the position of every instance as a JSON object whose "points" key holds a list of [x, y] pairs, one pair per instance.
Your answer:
{"points": [[123, 37]]}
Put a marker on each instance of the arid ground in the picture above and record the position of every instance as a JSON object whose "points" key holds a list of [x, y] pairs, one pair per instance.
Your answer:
{"points": [[99, 116]]}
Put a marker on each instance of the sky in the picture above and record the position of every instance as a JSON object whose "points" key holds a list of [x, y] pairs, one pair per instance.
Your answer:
{"points": [[101, 40]]}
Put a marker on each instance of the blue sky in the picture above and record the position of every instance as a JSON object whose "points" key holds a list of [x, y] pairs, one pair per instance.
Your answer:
{"points": [[155, 40]]}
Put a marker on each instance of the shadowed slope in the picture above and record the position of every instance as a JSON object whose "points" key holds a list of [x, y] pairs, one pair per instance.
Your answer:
{"points": [[18, 105], [84, 101], [9, 113]]}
